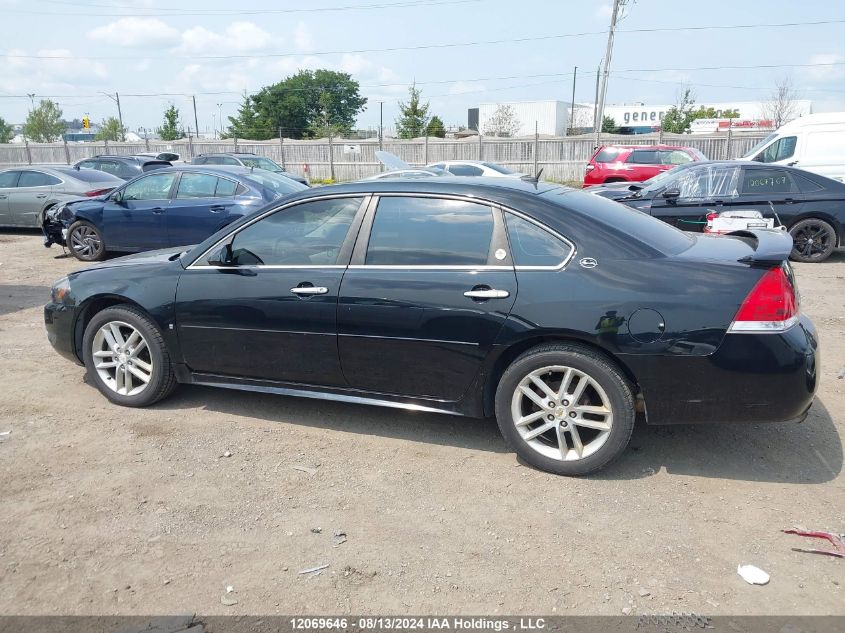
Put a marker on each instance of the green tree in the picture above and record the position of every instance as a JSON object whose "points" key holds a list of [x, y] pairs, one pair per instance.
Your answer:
{"points": [[413, 119], [678, 118], [608, 125], [6, 131], [245, 125], [436, 128], [44, 124], [171, 129], [110, 130], [308, 104]]}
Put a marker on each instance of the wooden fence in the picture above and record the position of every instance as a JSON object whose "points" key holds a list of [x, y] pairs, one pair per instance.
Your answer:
{"points": [[562, 159]]}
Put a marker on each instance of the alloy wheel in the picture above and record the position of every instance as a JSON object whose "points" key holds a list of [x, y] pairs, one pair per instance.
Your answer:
{"points": [[812, 239], [562, 413], [122, 358], [85, 241]]}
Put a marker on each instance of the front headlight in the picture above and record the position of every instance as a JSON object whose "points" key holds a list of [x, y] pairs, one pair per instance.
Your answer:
{"points": [[60, 290]]}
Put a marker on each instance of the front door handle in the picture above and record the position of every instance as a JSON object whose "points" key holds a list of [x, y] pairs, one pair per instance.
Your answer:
{"points": [[41, 195], [157, 210], [310, 290], [2, 196], [217, 208], [489, 293]]}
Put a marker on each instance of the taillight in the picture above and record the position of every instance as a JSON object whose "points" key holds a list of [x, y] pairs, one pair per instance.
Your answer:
{"points": [[590, 167], [97, 192], [712, 216], [771, 306]]}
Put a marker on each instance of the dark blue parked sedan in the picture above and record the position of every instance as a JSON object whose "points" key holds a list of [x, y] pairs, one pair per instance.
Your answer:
{"points": [[168, 207]]}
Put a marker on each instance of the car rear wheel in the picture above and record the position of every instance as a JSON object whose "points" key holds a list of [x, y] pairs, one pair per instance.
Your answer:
{"points": [[126, 357], [565, 409], [813, 240], [85, 241]]}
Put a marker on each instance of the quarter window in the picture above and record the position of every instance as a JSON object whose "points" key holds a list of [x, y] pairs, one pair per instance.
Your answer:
{"points": [[430, 232], [87, 164], [534, 246], [674, 157], [781, 149], [608, 155], [225, 188], [152, 187], [308, 234]]}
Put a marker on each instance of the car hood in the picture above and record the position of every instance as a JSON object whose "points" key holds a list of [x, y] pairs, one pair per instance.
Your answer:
{"points": [[67, 211], [161, 256]]}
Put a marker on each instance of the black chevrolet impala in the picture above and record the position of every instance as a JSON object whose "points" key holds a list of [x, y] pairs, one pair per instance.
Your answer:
{"points": [[561, 313]]}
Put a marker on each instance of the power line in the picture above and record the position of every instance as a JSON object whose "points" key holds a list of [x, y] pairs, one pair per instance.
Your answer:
{"points": [[433, 46]]}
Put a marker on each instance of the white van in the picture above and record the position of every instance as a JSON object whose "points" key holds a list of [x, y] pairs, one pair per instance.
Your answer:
{"points": [[815, 142]]}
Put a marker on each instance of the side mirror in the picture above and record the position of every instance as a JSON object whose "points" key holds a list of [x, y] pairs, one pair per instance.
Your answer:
{"points": [[223, 257], [673, 193], [117, 197]]}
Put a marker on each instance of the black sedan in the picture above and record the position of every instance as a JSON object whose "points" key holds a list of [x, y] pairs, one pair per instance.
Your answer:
{"points": [[812, 207], [559, 312]]}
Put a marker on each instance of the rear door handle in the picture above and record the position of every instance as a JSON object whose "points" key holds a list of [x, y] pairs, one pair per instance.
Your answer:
{"points": [[2, 196], [310, 290], [41, 195], [217, 208], [490, 293], [157, 210]]}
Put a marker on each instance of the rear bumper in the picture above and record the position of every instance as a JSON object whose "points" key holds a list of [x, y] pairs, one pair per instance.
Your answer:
{"points": [[749, 378], [59, 319]]}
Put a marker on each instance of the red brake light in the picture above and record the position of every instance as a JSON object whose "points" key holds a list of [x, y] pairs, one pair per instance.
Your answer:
{"points": [[712, 216], [771, 306], [97, 192]]}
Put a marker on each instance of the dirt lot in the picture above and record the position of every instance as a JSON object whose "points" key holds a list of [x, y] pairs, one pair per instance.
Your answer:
{"points": [[106, 510]]}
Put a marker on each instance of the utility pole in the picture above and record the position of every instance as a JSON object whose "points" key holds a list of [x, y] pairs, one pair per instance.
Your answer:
{"points": [[220, 120], [380, 124], [196, 121], [116, 98], [596, 126], [31, 96], [572, 103], [614, 19]]}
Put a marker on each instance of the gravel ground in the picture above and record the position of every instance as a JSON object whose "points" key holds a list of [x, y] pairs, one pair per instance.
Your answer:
{"points": [[105, 510]]}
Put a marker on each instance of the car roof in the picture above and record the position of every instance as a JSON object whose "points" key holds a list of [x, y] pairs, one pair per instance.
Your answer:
{"points": [[648, 147], [217, 170], [235, 154]]}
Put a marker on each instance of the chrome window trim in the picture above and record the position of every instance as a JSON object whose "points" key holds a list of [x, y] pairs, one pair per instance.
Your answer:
{"points": [[425, 267], [194, 266], [552, 232]]}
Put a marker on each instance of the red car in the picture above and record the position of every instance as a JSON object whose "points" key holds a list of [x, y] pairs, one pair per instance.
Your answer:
{"points": [[635, 163]]}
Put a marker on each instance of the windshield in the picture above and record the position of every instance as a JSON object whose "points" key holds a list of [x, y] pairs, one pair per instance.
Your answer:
{"points": [[274, 184], [498, 168], [260, 162], [753, 151], [661, 180]]}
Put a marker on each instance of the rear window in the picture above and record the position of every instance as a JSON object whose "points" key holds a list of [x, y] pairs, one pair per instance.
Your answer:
{"points": [[498, 168], [608, 154], [638, 225], [274, 183], [88, 175]]}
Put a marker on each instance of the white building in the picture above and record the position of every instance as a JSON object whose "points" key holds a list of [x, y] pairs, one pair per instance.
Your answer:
{"points": [[550, 117]]}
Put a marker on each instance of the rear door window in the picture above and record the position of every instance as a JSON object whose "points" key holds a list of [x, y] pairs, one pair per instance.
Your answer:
{"points": [[644, 157], [225, 188], [410, 231], [764, 181], [196, 186]]}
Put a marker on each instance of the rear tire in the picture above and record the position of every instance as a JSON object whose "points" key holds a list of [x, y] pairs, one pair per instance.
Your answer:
{"points": [[813, 240], [126, 357], [85, 241], [565, 409]]}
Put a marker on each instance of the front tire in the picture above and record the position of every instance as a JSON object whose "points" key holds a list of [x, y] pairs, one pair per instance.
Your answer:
{"points": [[85, 241], [565, 409], [813, 240], [126, 357]]}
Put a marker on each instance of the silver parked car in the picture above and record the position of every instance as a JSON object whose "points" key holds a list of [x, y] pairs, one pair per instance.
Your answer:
{"points": [[26, 192]]}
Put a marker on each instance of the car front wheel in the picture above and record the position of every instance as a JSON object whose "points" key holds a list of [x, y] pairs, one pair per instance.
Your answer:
{"points": [[565, 409], [813, 240], [85, 241], [126, 357]]}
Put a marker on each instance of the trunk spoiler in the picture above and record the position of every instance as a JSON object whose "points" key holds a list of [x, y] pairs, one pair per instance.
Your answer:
{"points": [[770, 246]]}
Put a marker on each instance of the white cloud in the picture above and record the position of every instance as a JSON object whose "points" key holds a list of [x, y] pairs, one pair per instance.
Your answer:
{"points": [[135, 32], [238, 36], [603, 11], [826, 73], [463, 87], [302, 37]]}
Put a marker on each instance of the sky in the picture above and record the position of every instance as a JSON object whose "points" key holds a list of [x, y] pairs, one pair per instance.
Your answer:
{"points": [[459, 52]]}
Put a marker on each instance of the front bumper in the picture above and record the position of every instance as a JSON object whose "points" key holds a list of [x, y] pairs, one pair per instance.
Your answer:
{"points": [[749, 378], [60, 319], [54, 233]]}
